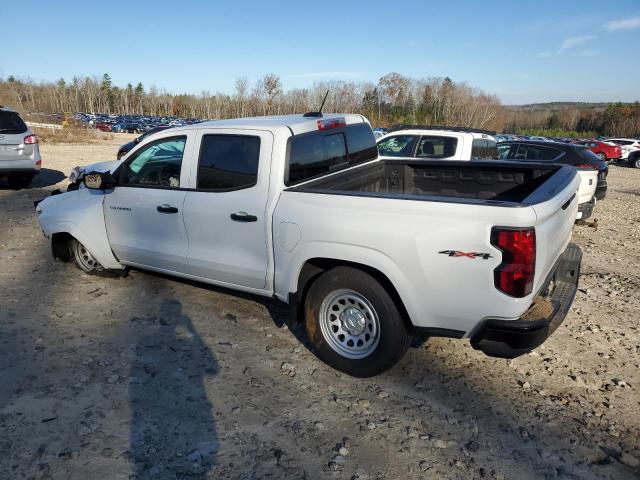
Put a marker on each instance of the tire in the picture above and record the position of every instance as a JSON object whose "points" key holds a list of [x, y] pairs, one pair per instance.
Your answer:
{"points": [[84, 260], [366, 335], [22, 181], [635, 161], [602, 155]]}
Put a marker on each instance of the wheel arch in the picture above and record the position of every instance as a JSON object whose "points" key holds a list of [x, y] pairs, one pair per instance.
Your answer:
{"points": [[312, 268]]}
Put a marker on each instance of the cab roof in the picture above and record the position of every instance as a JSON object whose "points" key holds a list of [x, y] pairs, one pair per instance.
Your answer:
{"points": [[295, 123]]}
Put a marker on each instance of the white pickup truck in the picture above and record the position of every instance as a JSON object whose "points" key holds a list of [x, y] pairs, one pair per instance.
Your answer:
{"points": [[368, 252]]}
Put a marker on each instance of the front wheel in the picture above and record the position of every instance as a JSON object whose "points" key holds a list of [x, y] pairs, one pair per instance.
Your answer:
{"points": [[635, 162], [85, 260], [353, 323], [602, 156]]}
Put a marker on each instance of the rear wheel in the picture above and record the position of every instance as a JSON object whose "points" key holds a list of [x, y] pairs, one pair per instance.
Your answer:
{"points": [[22, 181], [84, 259], [353, 323], [635, 161], [602, 156]]}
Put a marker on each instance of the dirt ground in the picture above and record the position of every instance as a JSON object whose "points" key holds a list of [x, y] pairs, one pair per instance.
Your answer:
{"points": [[152, 377]]}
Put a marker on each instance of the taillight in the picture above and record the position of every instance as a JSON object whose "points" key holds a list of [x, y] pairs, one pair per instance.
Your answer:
{"points": [[38, 164], [329, 123], [514, 276], [587, 166], [31, 139]]}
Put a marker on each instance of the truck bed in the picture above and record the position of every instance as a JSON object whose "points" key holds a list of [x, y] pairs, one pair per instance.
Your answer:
{"points": [[488, 182]]}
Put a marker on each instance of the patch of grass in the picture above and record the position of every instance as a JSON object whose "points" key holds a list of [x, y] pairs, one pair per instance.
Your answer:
{"points": [[70, 134]]}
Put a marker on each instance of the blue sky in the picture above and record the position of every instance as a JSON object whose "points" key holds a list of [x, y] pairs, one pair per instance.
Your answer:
{"points": [[545, 51]]}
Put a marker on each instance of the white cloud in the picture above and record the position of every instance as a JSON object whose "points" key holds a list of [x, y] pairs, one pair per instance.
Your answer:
{"points": [[626, 24], [588, 53], [572, 42]]}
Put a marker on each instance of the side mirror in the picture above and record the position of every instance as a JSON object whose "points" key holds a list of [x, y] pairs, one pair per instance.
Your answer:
{"points": [[99, 180]]}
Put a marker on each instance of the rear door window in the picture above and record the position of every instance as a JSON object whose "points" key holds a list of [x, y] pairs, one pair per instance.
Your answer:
{"points": [[397, 146], [537, 153], [436, 147], [10, 122], [483, 149], [228, 162]]}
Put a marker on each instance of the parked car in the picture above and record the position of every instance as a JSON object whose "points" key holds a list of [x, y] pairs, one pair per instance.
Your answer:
{"points": [[103, 126], [605, 150], [634, 159], [133, 128], [592, 169], [255, 204], [627, 145], [427, 142], [20, 158], [379, 132], [124, 149]]}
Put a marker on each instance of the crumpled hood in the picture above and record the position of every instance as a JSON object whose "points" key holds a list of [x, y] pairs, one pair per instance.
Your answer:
{"points": [[101, 166]]}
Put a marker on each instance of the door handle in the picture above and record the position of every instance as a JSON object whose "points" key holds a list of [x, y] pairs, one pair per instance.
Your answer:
{"points": [[243, 217], [166, 209]]}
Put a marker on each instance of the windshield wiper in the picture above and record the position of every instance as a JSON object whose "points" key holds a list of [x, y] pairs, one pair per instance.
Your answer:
{"points": [[5, 130]]}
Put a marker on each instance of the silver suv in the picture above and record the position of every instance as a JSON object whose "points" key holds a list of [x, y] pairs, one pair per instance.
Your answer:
{"points": [[19, 153]]}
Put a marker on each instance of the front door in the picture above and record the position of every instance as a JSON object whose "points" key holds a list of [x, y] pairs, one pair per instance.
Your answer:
{"points": [[144, 212], [225, 213]]}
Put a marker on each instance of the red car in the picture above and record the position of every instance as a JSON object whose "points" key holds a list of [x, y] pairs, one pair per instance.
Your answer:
{"points": [[103, 126], [605, 150]]}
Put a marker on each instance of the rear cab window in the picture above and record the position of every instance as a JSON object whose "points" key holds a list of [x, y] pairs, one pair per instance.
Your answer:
{"points": [[311, 155], [10, 122]]}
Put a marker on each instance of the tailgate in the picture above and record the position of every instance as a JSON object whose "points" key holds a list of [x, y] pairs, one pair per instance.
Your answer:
{"points": [[554, 223]]}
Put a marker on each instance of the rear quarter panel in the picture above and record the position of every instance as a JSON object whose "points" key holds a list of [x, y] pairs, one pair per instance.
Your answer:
{"points": [[402, 239]]}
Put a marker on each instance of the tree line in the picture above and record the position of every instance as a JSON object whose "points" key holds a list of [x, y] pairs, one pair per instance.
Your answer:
{"points": [[394, 99]]}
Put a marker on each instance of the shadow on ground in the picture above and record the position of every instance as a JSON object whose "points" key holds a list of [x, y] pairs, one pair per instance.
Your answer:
{"points": [[172, 427], [45, 178]]}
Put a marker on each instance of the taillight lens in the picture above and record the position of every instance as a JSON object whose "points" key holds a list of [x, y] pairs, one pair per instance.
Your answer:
{"points": [[514, 276], [31, 139], [587, 166]]}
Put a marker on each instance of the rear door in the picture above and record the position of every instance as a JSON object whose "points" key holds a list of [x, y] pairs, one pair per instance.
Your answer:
{"points": [[144, 212], [225, 213]]}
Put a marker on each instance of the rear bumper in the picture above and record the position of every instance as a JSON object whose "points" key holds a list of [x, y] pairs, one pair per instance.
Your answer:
{"points": [[585, 210], [512, 338]]}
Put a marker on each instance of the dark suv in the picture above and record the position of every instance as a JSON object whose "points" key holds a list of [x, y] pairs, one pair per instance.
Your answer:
{"points": [[556, 152]]}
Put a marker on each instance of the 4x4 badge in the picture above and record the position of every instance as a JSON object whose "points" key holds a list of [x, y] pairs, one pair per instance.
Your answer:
{"points": [[471, 255]]}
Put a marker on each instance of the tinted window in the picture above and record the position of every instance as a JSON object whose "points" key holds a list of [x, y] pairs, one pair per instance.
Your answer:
{"points": [[436, 147], [317, 153], [537, 152], [398, 146], [156, 165], [503, 151], [228, 162], [483, 149], [361, 143], [10, 122]]}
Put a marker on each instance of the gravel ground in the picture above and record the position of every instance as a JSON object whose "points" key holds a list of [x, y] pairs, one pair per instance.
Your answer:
{"points": [[152, 377]]}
